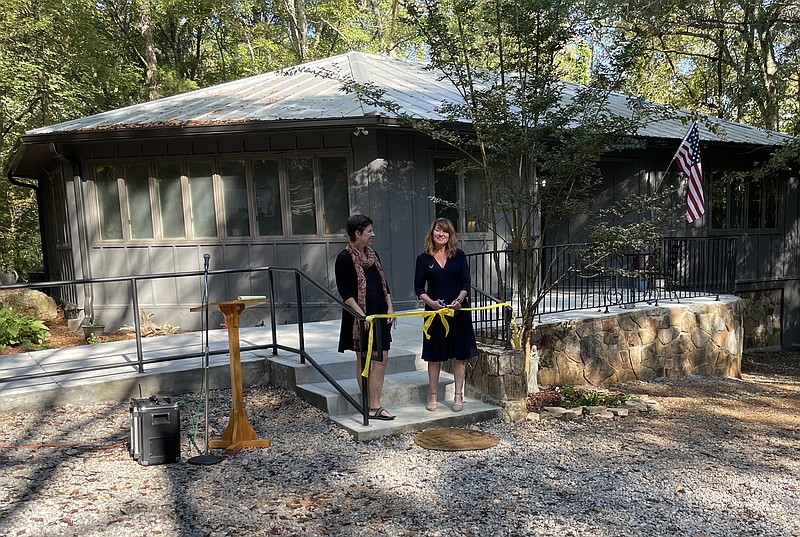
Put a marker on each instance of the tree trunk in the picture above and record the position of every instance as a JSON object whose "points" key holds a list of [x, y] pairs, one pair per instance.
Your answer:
{"points": [[298, 28], [150, 59]]}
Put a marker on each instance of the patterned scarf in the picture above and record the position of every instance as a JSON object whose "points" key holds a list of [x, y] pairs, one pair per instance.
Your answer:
{"points": [[361, 262]]}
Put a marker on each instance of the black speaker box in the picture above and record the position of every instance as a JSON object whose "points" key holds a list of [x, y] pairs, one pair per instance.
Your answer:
{"points": [[155, 431]]}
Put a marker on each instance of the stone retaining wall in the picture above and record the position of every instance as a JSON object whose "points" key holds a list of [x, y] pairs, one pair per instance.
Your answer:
{"points": [[672, 340], [761, 314], [703, 337]]}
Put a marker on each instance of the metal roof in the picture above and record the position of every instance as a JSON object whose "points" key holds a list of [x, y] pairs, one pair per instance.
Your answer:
{"points": [[312, 91]]}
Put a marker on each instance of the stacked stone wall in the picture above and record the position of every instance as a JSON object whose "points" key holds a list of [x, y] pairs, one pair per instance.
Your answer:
{"points": [[675, 340], [669, 341], [761, 318]]}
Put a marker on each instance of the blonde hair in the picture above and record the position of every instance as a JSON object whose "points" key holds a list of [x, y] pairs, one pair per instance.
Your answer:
{"points": [[445, 225]]}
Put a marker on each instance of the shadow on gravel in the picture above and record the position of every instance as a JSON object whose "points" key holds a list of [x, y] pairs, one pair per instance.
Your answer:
{"points": [[720, 458]]}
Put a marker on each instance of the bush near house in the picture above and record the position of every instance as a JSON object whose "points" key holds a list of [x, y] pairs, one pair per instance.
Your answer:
{"points": [[18, 329]]}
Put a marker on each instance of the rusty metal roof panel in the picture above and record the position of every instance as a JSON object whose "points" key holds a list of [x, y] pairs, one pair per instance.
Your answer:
{"points": [[313, 91]]}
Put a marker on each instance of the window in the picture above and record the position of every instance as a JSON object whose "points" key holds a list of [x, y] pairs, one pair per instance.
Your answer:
{"points": [[300, 178], [201, 194], [137, 190], [266, 183], [59, 200], [234, 198], [107, 191], [742, 203], [170, 200], [336, 207], [462, 196]]}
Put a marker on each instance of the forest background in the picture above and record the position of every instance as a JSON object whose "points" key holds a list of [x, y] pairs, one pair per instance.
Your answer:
{"points": [[63, 59]]}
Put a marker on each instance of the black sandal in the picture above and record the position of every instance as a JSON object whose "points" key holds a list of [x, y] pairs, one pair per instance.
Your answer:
{"points": [[377, 414]]}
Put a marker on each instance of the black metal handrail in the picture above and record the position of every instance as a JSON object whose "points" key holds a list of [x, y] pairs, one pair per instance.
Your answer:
{"points": [[299, 278], [582, 276]]}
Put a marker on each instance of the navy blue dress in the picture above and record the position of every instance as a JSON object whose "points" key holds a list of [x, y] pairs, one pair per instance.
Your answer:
{"points": [[445, 284]]}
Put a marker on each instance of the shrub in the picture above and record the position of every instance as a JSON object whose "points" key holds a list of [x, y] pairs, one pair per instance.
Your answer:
{"points": [[574, 397], [18, 329]]}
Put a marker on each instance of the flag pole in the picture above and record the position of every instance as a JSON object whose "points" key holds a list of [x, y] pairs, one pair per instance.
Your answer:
{"points": [[661, 182], [685, 136]]}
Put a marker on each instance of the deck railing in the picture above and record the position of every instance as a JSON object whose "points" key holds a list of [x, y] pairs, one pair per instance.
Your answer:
{"points": [[583, 277]]}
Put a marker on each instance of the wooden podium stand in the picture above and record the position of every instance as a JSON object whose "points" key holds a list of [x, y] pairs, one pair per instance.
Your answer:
{"points": [[239, 433]]}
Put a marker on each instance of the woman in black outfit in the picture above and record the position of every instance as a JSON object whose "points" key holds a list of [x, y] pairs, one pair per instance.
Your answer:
{"points": [[362, 286]]}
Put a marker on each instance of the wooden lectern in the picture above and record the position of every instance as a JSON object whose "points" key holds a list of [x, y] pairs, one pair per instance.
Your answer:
{"points": [[239, 433]]}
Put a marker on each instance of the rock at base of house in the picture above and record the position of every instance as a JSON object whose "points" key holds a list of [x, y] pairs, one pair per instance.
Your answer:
{"points": [[30, 302]]}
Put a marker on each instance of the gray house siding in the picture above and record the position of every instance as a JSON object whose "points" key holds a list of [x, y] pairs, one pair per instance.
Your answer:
{"points": [[390, 180]]}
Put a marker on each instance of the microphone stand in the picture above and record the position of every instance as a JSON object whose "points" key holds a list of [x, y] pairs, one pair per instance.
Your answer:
{"points": [[207, 458]]}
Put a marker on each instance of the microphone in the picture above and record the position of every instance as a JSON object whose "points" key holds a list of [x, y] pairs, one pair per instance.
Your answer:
{"points": [[206, 257]]}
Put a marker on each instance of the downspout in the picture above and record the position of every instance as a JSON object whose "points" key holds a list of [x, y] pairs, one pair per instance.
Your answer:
{"points": [[83, 237]]}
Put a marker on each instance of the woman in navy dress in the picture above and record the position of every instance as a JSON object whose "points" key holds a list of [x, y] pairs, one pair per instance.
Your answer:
{"points": [[362, 286], [441, 279]]}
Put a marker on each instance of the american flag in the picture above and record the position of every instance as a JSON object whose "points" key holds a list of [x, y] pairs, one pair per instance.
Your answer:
{"points": [[688, 159]]}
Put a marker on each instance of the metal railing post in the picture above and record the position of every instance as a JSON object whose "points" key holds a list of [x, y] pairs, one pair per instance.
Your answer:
{"points": [[301, 337], [272, 316], [137, 324]]}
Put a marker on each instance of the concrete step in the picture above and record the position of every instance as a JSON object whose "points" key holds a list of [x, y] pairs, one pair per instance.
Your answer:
{"points": [[404, 388], [413, 417], [286, 371], [405, 393]]}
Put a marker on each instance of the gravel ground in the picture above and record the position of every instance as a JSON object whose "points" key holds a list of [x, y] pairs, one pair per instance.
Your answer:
{"points": [[721, 458]]}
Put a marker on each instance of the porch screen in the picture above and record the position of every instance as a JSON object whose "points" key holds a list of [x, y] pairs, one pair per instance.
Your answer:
{"points": [[170, 198], [201, 192], [460, 190], [445, 187], [336, 206], [475, 200], [300, 178], [266, 182], [739, 203], [106, 187], [137, 189], [234, 197]]}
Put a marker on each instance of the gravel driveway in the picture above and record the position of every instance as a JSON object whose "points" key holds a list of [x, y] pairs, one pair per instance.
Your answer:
{"points": [[721, 458]]}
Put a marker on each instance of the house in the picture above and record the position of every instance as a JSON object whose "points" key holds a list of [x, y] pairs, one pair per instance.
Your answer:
{"points": [[263, 172]]}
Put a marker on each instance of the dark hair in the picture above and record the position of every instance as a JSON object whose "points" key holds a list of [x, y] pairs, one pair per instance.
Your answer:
{"points": [[357, 222], [452, 243]]}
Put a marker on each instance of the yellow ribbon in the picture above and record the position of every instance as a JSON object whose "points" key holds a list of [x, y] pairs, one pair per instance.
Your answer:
{"points": [[428, 316]]}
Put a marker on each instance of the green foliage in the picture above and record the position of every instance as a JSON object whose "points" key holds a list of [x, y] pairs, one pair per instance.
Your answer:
{"points": [[20, 246], [18, 329], [735, 60], [572, 397], [91, 339], [630, 224]]}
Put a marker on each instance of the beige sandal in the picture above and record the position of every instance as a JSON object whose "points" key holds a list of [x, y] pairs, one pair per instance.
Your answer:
{"points": [[458, 402], [433, 402]]}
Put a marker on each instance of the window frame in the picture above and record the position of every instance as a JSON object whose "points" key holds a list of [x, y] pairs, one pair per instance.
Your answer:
{"points": [[216, 163], [463, 224], [743, 203]]}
